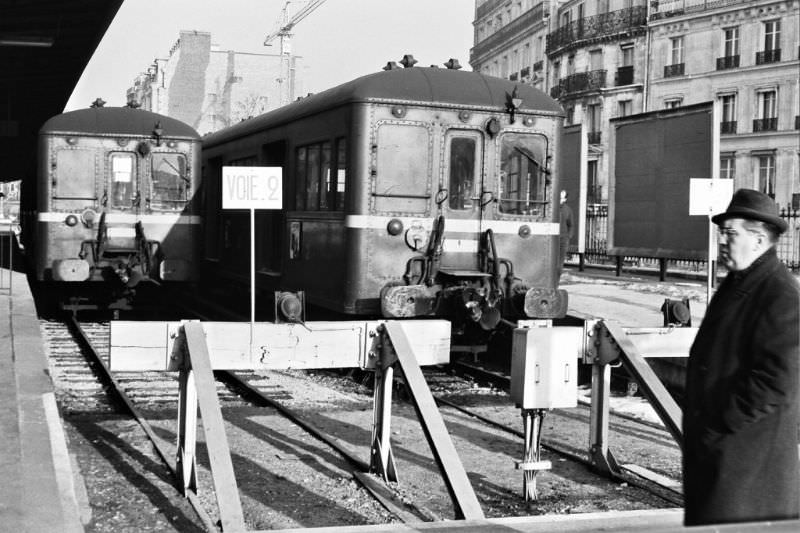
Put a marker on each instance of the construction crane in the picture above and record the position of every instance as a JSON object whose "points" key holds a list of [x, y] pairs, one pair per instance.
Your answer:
{"points": [[283, 31]]}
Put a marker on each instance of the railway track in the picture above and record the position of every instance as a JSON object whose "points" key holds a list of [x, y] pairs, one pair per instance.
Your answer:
{"points": [[85, 390]]}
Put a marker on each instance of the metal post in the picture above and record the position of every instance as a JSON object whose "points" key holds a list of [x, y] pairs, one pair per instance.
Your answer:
{"points": [[381, 456], [600, 455], [186, 463]]}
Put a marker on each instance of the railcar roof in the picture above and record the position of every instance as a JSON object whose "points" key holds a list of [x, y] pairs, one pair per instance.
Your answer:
{"points": [[417, 84], [116, 120]]}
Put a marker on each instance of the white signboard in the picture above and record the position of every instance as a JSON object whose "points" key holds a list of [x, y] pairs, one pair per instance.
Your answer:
{"points": [[252, 187], [709, 197]]}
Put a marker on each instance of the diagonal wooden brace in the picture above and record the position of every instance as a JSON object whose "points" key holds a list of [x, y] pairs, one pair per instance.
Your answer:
{"points": [[655, 392], [455, 477], [219, 454]]}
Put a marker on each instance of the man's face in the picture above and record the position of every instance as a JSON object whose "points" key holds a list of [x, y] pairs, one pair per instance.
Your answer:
{"points": [[738, 246]]}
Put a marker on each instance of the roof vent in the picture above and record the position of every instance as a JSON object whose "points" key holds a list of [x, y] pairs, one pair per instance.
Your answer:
{"points": [[391, 65], [99, 102], [408, 61], [453, 64]]}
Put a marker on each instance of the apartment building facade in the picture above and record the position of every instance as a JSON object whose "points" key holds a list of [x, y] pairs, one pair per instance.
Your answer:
{"points": [[209, 88], [743, 55], [609, 58]]}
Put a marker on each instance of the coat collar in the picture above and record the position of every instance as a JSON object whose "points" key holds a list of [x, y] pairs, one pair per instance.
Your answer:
{"points": [[738, 285]]}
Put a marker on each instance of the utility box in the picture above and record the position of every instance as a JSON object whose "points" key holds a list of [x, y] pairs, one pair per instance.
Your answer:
{"points": [[544, 367]]}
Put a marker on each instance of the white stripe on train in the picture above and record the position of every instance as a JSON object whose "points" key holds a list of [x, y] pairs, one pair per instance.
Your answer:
{"points": [[126, 218], [454, 224]]}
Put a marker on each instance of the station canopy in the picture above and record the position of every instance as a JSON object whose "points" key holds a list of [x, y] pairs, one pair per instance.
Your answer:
{"points": [[44, 47]]}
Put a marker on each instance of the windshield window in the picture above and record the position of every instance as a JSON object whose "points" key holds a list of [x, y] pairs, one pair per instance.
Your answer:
{"points": [[122, 185], [523, 181], [170, 181], [74, 174], [402, 173]]}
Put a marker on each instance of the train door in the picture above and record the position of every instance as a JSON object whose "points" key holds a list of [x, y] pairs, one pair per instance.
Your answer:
{"points": [[464, 201]]}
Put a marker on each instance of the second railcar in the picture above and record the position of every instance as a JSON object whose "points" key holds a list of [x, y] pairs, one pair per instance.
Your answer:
{"points": [[408, 192], [114, 200]]}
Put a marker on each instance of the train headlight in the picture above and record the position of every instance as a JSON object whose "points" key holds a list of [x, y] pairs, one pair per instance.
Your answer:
{"points": [[524, 231], [528, 121], [71, 221], [395, 226]]}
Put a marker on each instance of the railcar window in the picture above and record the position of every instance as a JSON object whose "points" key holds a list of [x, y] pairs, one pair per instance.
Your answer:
{"points": [[316, 188], [461, 182], [170, 181], [75, 174], [341, 173], [402, 168], [312, 177], [300, 178], [122, 180], [523, 180]]}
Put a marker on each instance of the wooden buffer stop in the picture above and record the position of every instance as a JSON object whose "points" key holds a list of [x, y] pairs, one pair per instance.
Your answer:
{"points": [[196, 349]]}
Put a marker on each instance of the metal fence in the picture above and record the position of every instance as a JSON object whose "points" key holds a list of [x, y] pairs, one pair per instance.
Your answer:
{"points": [[597, 244]]}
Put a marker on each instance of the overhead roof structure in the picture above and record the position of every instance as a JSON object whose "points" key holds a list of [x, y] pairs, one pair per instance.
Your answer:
{"points": [[44, 47]]}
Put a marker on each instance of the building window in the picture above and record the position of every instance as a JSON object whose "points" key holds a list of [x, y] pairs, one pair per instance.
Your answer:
{"points": [[556, 73], [595, 60], [731, 47], [672, 103], [727, 166], [772, 35], [504, 67], [772, 43], [766, 174], [676, 50], [593, 123], [675, 65], [594, 192], [767, 119], [624, 108], [728, 122], [571, 115], [626, 59], [730, 57]]}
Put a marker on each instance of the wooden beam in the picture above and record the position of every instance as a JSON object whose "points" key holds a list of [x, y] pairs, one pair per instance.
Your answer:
{"points": [[655, 392], [140, 346], [455, 477], [219, 454]]}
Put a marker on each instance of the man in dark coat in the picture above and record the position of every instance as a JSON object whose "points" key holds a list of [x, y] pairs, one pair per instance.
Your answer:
{"points": [[741, 414]]}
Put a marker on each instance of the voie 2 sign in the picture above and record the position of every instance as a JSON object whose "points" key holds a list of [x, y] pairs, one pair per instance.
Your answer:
{"points": [[252, 187]]}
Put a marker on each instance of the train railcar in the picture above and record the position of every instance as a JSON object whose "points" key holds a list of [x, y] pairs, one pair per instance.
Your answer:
{"points": [[409, 192], [114, 201]]}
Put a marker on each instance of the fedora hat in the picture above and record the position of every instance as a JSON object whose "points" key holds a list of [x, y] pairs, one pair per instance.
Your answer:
{"points": [[752, 205]]}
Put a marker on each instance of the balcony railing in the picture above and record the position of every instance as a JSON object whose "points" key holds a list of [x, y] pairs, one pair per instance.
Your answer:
{"points": [[538, 65], [602, 25], [673, 8], [514, 77], [593, 137], [727, 62], [727, 126], [504, 34], [768, 56], [624, 76], [765, 124], [673, 70], [525, 72], [575, 83]]}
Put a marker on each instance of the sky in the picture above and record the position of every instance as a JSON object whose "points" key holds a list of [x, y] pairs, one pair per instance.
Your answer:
{"points": [[340, 40]]}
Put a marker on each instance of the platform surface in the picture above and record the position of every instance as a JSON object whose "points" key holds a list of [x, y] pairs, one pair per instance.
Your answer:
{"points": [[36, 480]]}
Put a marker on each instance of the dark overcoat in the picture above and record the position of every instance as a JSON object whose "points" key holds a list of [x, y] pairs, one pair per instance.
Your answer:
{"points": [[741, 412]]}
